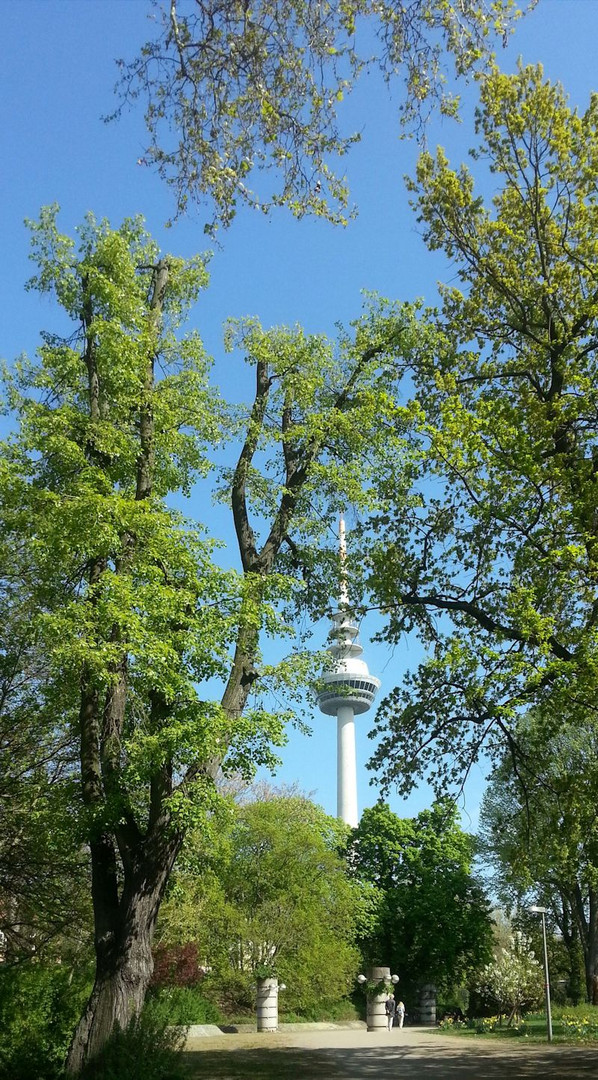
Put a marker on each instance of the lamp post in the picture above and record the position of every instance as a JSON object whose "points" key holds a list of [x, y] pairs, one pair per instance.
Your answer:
{"points": [[536, 910]]}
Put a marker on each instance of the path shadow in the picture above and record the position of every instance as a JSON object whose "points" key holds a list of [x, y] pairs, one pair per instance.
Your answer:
{"points": [[392, 1063]]}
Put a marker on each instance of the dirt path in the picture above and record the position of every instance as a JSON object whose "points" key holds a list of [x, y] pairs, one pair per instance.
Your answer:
{"points": [[411, 1054]]}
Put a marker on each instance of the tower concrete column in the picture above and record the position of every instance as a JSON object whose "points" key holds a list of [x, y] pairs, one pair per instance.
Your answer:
{"points": [[346, 764]]}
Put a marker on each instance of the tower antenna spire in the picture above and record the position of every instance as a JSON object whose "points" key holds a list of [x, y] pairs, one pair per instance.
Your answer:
{"points": [[342, 550]]}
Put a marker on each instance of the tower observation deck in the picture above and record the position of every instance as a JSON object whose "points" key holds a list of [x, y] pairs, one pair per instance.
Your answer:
{"points": [[346, 690]]}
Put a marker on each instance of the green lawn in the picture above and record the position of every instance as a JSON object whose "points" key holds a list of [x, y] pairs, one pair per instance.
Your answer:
{"points": [[573, 1024]]}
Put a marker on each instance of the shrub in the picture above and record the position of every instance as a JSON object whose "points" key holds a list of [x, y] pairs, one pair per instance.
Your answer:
{"points": [[177, 965], [149, 1049], [182, 1005], [39, 1008], [328, 1012]]}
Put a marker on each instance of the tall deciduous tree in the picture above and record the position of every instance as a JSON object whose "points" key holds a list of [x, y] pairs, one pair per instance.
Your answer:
{"points": [[272, 894], [497, 562], [433, 922], [233, 90], [128, 609], [538, 831]]}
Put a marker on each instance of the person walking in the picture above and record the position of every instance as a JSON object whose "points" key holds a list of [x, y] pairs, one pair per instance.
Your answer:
{"points": [[400, 1010], [390, 1010]]}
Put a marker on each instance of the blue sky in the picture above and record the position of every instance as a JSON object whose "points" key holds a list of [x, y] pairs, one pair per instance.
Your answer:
{"points": [[58, 72]]}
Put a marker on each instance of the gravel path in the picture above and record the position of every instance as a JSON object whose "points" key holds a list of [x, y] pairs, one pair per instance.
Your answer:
{"points": [[410, 1054]]}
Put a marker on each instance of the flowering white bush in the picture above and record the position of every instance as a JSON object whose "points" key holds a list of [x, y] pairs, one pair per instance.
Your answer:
{"points": [[514, 980]]}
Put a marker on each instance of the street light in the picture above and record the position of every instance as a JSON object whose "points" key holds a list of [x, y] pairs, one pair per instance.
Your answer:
{"points": [[536, 910]]}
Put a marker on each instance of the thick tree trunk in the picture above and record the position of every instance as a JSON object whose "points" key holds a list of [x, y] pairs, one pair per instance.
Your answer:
{"points": [[592, 951], [122, 979], [123, 946], [586, 913]]}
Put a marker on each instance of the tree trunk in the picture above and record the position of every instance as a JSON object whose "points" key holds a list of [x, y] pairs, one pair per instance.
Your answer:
{"points": [[586, 914], [124, 962], [117, 997], [129, 869], [572, 941], [592, 952]]}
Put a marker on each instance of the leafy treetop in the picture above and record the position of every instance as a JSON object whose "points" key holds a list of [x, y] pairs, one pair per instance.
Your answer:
{"points": [[494, 559], [235, 90]]}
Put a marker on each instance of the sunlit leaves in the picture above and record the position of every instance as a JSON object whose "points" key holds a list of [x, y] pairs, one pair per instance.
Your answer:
{"points": [[272, 891], [118, 581], [496, 563], [421, 870], [242, 104]]}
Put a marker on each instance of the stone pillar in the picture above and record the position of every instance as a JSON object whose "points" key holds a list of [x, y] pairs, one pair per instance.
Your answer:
{"points": [[427, 1005], [267, 1004], [375, 1006]]}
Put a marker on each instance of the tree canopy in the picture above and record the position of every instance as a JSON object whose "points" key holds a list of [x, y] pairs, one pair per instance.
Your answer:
{"points": [[538, 831], [495, 560], [270, 895], [233, 91], [127, 621], [44, 887], [421, 869]]}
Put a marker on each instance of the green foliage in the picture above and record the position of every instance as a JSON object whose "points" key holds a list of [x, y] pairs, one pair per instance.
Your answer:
{"points": [[43, 881], [44, 903], [537, 841], [420, 870], [232, 93], [124, 608], [485, 1025], [569, 1026], [150, 1045], [449, 1023], [181, 1005], [273, 898], [328, 1012], [111, 574], [495, 560], [584, 1028], [580, 1024], [39, 1006], [127, 613], [538, 831]]}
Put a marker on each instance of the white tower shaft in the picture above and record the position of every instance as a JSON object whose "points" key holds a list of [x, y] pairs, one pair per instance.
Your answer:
{"points": [[346, 767]]}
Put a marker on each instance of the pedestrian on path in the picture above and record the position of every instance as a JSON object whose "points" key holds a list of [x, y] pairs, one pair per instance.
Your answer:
{"points": [[400, 1013], [390, 1010]]}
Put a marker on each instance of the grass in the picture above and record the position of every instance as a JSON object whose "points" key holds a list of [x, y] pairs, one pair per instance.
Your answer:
{"points": [[571, 1025]]}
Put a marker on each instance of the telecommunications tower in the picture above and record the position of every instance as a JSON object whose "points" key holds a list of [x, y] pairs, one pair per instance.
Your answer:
{"points": [[347, 690]]}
